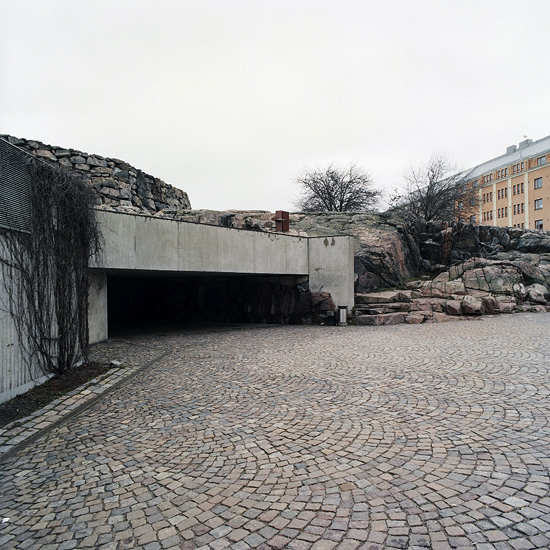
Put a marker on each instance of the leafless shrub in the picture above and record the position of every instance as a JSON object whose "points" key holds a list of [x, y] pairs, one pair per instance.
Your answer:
{"points": [[435, 191], [46, 269]]}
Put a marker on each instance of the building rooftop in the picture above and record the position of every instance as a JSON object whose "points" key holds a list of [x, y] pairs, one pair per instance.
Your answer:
{"points": [[526, 149]]}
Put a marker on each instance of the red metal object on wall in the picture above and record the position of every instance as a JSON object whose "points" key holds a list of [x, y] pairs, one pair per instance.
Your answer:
{"points": [[282, 221]]}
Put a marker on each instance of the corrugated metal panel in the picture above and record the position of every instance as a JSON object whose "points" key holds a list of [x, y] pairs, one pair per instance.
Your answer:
{"points": [[15, 188], [13, 372]]}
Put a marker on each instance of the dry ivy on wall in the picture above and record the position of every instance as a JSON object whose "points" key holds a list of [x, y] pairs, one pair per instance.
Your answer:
{"points": [[45, 270]]}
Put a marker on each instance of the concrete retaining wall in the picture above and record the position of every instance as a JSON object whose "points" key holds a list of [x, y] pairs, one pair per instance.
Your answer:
{"points": [[146, 243], [15, 375]]}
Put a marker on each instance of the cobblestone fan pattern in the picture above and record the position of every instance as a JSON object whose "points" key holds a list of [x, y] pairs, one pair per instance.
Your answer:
{"points": [[131, 356], [401, 437]]}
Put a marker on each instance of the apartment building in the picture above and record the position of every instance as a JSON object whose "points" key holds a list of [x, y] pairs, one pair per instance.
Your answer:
{"points": [[513, 189]]}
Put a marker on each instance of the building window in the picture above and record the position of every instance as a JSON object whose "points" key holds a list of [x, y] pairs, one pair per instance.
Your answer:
{"points": [[460, 205], [538, 224], [522, 190], [473, 218], [498, 194], [540, 162], [498, 212], [538, 204], [473, 201], [538, 183], [522, 207], [515, 210], [491, 214], [505, 211], [522, 165], [506, 191], [475, 184]]}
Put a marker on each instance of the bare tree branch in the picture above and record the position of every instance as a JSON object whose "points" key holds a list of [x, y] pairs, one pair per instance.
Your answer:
{"points": [[435, 191], [336, 189]]}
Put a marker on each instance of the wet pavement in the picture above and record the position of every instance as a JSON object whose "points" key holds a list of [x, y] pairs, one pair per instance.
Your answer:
{"points": [[412, 437]]}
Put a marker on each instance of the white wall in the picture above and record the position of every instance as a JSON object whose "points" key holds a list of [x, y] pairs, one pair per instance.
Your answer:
{"points": [[331, 268]]}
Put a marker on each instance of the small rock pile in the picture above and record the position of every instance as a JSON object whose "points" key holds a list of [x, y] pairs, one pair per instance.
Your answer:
{"points": [[118, 185]]}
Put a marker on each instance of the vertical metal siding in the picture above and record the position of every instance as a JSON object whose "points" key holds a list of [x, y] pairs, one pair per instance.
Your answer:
{"points": [[13, 372]]}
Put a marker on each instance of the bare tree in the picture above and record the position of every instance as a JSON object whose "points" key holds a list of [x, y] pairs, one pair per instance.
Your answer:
{"points": [[336, 189], [436, 191]]}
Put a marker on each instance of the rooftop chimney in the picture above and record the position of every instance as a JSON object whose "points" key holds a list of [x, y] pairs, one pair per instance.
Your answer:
{"points": [[525, 143], [511, 149]]}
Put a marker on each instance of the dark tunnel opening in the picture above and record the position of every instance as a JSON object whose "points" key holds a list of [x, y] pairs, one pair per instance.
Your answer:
{"points": [[138, 302]]}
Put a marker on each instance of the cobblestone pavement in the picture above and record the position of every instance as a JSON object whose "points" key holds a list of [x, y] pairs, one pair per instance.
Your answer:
{"points": [[426, 436], [133, 356]]}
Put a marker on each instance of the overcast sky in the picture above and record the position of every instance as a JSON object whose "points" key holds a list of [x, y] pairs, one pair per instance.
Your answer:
{"points": [[230, 100]]}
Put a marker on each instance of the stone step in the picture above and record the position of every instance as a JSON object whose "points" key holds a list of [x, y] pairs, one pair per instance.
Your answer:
{"points": [[418, 310], [384, 297], [381, 319], [376, 309], [412, 318]]}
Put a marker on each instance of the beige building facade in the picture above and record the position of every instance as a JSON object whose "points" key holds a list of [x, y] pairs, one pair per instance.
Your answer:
{"points": [[513, 189]]}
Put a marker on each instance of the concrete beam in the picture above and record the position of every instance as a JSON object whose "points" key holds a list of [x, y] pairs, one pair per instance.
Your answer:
{"points": [[147, 243]]}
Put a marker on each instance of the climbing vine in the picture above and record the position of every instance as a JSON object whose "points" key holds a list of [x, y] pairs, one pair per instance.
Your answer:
{"points": [[46, 269]]}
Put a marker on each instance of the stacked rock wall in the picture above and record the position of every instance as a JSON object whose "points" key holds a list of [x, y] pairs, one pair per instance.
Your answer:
{"points": [[118, 185]]}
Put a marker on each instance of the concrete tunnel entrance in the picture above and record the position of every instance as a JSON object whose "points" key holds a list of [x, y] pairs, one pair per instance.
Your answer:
{"points": [[137, 301]]}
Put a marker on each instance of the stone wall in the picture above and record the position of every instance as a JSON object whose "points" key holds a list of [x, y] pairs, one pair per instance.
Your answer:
{"points": [[118, 185]]}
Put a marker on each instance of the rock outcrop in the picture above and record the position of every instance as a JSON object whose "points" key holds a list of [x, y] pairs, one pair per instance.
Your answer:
{"points": [[478, 286], [118, 185]]}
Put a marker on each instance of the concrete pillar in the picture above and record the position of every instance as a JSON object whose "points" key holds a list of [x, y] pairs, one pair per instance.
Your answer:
{"points": [[97, 306], [331, 268]]}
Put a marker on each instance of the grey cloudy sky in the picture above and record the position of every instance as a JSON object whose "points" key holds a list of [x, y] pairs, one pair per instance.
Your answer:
{"points": [[230, 100]]}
